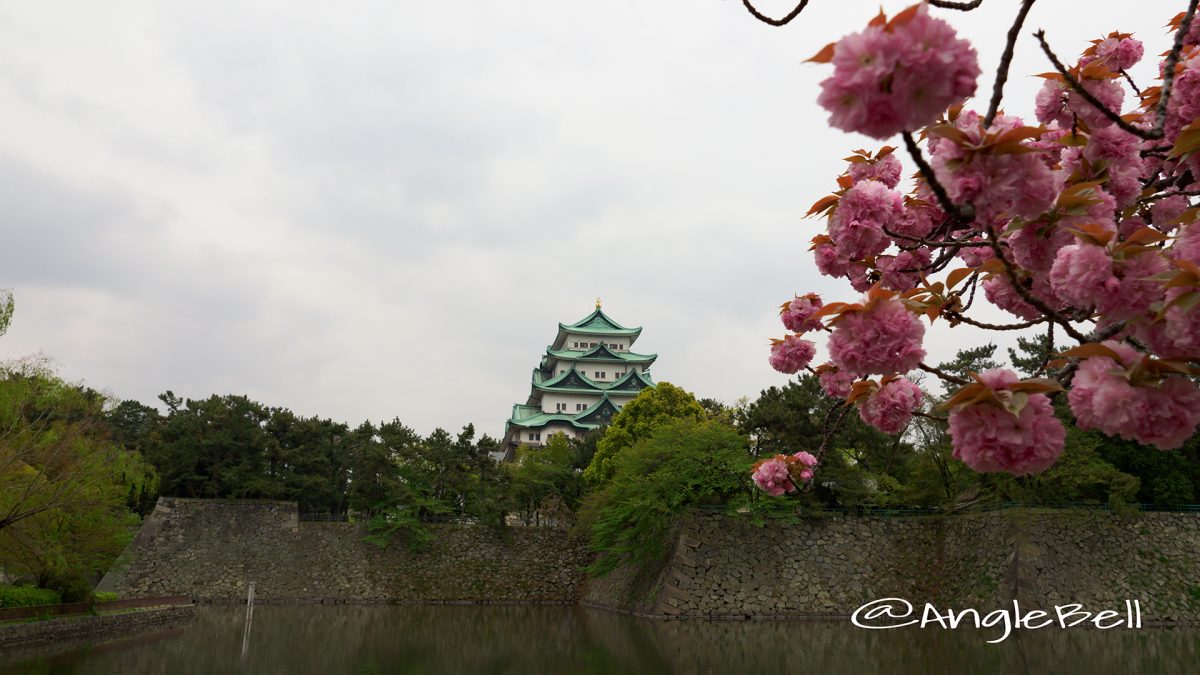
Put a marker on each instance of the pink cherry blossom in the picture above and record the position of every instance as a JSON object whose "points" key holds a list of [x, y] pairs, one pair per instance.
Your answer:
{"points": [[806, 458], [1116, 154], [857, 225], [1051, 104], [772, 477], [1102, 396], [798, 315], [1164, 212], [889, 78], [890, 407], [1108, 92], [997, 185], [830, 261], [989, 437], [902, 271], [1034, 245], [1177, 333], [835, 382], [792, 354], [883, 339], [999, 291], [1120, 53], [885, 169], [974, 256], [1088, 278], [1187, 244]]}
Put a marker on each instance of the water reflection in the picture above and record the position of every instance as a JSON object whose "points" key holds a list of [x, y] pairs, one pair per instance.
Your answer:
{"points": [[454, 639]]}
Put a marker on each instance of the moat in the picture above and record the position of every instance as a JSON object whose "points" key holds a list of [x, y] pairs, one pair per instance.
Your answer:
{"points": [[544, 639]]}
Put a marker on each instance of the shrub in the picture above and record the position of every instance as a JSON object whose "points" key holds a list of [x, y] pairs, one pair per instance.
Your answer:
{"points": [[27, 596], [71, 587], [105, 596]]}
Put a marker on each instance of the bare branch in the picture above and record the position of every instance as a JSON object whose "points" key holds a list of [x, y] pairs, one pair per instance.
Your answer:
{"points": [[960, 6], [1132, 84], [944, 375], [997, 326], [1005, 62], [776, 22], [830, 427]]}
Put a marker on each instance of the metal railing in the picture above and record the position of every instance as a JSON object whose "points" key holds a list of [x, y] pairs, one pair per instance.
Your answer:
{"points": [[76, 608], [979, 508]]}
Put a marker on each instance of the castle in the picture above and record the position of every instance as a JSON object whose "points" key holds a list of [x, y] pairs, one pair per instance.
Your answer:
{"points": [[584, 378]]}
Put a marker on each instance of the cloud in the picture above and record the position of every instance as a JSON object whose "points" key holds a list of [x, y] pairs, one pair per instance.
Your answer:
{"points": [[383, 211]]}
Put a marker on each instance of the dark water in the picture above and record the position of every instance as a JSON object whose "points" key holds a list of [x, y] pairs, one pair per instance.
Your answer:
{"points": [[452, 639]]}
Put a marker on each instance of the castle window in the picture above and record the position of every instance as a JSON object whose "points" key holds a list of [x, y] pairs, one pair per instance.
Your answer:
{"points": [[578, 406]]}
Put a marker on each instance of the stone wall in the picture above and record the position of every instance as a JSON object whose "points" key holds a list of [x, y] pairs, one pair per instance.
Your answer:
{"points": [[20, 635], [211, 549], [726, 567], [825, 565]]}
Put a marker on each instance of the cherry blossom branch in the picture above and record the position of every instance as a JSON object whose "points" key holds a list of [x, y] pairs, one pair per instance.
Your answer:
{"points": [[974, 282], [1169, 68], [1024, 292], [776, 22], [1005, 62], [960, 6], [927, 171], [1164, 195], [1049, 349], [997, 326], [1132, 84], [927, 416], [830, 427], [936, 243], [1151, 135], [954, 379]]}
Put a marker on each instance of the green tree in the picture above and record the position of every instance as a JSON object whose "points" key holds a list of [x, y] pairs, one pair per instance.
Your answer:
{"points": [[971, 360], [7, 305], [539, 473], [217, 447], [64, 484], [652, 408], [678, 465]]}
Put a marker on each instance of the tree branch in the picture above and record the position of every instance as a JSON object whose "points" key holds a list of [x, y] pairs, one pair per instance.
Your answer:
{"points": [[1005, 62], [1090, 97], [1024, 292], [1169, 68], [997, 326], [776, 22], [960, 6], [927, 171], [944, 375]]}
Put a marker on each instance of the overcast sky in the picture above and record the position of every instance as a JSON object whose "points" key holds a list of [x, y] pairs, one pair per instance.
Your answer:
{"points": [[382, 209]]}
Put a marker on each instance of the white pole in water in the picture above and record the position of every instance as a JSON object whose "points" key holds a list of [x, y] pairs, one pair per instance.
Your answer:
{"points": [[249, 619]]}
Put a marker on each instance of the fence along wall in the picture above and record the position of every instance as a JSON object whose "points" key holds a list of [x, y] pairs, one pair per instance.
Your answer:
{"points": [[727, 567], [211, 549]]}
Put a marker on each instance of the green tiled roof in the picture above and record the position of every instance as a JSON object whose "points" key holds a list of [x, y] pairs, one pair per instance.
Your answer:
{"points": [[633, 382], [598, 323], [570, 379], [601, 412], [600, 353]]}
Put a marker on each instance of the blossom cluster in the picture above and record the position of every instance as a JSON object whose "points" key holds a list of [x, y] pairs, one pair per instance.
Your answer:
{"points": [[784, 473], [1078, 219], [898, 74]]}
